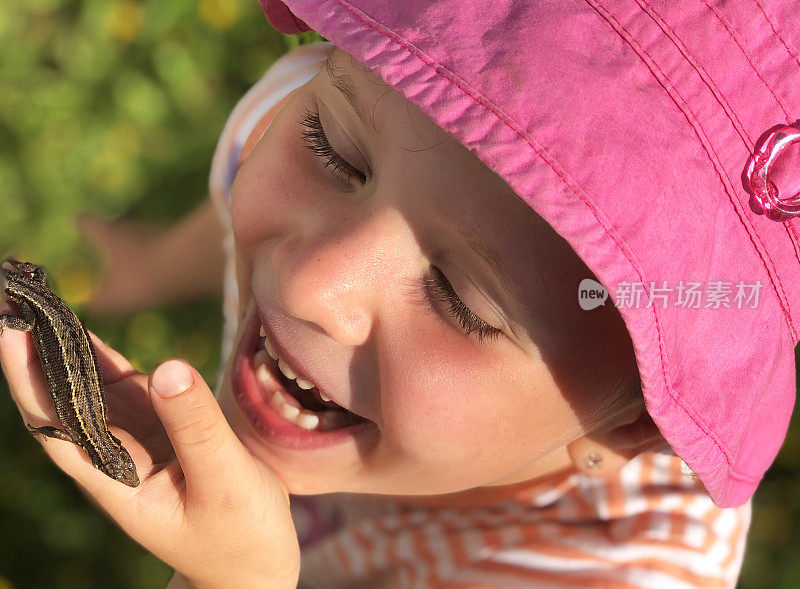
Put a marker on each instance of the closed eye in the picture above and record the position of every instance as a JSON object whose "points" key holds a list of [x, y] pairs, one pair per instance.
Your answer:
{"points": [[439, 287], [317, 142]]}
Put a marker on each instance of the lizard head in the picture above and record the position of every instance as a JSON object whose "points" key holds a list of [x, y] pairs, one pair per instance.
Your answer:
{"points": [[23, 273], [123, 469]]}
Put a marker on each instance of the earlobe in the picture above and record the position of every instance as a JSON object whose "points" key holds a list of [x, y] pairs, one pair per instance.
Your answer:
{"points": [[595, 459], [604, 452]]}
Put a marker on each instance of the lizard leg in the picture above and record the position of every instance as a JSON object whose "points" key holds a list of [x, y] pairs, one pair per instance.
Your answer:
{"points": [[23, 322], [50, 432], [54, 432]]}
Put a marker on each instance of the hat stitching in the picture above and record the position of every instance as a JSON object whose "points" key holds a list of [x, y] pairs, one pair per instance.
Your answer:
{"points": [[736, 204], [749, 143], [777, 34], [736, 40], [793, 55], [775, 279], [482, 101], [790, 229], [793, 237], [704, 75]]}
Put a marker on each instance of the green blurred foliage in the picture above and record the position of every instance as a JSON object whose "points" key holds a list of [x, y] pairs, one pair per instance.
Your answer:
{"points": [[112, 108], [106, 107], [774, 540]]}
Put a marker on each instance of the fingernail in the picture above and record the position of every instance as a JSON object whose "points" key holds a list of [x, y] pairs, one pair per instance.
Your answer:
{"points": [[171, 378]]}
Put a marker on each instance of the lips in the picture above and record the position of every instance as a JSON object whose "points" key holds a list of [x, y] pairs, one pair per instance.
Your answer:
{"points": [[250, 396]]}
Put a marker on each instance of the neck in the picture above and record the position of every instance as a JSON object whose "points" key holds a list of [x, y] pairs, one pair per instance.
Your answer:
{"points": [[551, 463]]}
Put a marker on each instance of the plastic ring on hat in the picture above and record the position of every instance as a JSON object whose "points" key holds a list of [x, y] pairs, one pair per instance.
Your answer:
{"points": [[764, 197]]}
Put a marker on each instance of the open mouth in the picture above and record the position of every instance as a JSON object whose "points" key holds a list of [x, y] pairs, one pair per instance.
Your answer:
{"points": [[304, 407], [279, 408]]}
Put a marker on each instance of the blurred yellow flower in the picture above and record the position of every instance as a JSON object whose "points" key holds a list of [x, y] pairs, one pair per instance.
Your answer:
{"points": [[220, 14], [123, 138], [40, 7], [76, 286], [5, 25], [125, 20], [195, 347], [148, 330], [5, 583], [109, 171], [112, 167]]}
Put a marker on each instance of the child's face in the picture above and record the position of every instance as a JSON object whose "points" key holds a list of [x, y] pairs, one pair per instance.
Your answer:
{"points": [[337, 269]]}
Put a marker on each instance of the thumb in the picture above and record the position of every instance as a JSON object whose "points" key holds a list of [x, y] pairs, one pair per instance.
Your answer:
{"points": [[204, 443]]}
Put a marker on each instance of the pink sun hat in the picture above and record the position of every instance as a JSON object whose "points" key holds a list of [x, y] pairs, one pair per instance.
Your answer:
{"points": [[661, 140]]}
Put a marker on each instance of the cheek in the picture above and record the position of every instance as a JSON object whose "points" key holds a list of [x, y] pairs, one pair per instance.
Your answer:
{"points": [[424, 397], [273, 186], [451, 403], [443, 397]]}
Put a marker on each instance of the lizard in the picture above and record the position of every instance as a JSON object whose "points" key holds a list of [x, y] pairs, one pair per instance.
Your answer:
{"points": [[69, 363]]}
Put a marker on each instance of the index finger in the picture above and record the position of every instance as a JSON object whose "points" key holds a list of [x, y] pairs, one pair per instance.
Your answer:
{"points": [[113, 365]]}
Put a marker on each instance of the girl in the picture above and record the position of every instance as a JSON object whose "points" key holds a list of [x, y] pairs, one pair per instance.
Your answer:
{"points": [[427, 219]]}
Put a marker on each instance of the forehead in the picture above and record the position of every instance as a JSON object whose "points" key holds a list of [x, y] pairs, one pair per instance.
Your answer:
{"points": [[356, 69], [403, 121]]}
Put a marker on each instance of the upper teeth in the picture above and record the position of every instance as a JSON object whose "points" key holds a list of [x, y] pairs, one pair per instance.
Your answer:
{"points": [[285, 368]]}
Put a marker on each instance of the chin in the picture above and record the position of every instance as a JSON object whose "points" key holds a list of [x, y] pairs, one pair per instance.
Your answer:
{"points": [[299, 478]]}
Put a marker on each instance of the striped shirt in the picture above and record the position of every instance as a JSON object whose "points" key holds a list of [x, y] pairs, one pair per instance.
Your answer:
{"points": [[650, 527]]}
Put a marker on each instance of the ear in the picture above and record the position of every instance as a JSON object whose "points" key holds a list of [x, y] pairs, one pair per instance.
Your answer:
{"points": [[627, 437]]}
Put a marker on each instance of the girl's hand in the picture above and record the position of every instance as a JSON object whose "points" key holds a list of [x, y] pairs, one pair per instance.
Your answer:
{"points": [[205, 505], [124, 246], [145, 265]]}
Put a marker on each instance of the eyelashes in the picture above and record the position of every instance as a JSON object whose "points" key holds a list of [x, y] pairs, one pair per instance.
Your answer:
{"points": [[316, 141], [438, 287], [441, 289]]}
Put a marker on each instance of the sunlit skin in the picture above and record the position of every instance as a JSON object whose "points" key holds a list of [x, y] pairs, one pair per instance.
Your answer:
{"points": [[339, 268], [344, 263]]}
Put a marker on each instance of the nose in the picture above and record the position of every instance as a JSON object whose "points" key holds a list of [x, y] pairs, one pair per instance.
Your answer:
{"points": [[345, 276]]}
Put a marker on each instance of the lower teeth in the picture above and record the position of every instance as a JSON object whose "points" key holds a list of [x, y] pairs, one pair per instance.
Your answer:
{"points": [[312, 420], [307, 419]]}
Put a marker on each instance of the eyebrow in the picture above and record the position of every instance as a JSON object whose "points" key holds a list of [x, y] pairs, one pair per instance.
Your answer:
{"points": [[346, 88], [342, 83]]}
